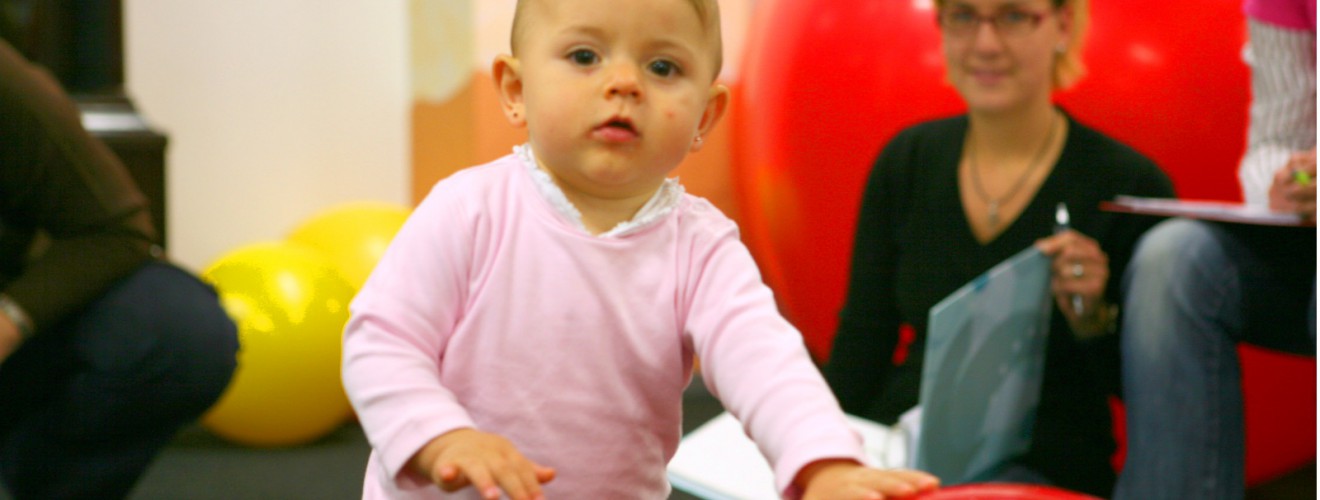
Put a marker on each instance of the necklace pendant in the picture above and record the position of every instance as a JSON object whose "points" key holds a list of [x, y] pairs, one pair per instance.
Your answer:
{"points": [[992, 214]]}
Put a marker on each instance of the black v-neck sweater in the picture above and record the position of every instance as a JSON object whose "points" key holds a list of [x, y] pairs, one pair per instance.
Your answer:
{"points": [[913, 247]]}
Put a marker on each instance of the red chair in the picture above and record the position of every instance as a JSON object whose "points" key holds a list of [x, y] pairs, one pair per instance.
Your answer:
{"points": [[1279, 393]]}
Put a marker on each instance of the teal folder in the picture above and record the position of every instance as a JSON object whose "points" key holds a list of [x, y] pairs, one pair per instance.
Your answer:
{"points": [[980, 385]]}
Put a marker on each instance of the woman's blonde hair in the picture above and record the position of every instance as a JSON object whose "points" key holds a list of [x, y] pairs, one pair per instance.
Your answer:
{"points": [[1068, 67]]}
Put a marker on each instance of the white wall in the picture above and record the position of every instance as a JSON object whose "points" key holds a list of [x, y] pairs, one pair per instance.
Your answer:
{"points": [[274, 109]]}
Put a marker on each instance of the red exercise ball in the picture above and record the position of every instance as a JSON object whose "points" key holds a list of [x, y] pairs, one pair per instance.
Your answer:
{"points": [[1002, 491], [825, 83], [1168, 79]]}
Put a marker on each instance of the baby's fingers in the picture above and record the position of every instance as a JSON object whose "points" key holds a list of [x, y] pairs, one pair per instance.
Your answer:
{"points": [[544, 474], [899, 483], [481, 480], [517, 478], [921, 481], [519, 483], [452, 479]]}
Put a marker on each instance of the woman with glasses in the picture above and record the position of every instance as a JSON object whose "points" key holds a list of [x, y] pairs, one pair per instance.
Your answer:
{"points": [[950, 198]]}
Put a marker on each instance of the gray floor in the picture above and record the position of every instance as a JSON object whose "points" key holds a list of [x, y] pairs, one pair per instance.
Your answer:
{"points": [[200, 466]]}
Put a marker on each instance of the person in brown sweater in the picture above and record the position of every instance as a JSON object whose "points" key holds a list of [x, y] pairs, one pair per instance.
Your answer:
{"points": [[106, 349]]}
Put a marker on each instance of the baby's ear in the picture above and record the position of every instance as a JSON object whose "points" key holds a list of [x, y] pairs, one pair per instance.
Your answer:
{"points": [[716, 104], [508, 83]]}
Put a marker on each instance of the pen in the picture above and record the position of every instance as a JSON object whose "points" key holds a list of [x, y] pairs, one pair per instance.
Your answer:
{"points": [[1061, 223]]}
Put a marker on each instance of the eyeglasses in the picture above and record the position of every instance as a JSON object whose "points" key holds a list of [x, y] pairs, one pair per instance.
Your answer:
{"points": [[1008, 23]]}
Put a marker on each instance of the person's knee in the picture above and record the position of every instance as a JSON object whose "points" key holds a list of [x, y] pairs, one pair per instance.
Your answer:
{"points": [[1179, 270], [1174, 253], [162, 324], [198, 336]]}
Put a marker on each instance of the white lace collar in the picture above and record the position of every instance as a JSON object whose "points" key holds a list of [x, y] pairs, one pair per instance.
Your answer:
{"points": [[661, 203]]}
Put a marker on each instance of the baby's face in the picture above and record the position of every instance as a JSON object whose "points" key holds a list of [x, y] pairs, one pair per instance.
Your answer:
{"points": [[615, 91]]}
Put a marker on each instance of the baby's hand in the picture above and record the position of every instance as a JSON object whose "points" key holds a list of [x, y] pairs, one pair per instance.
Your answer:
{"points": [[844, 479], [487, 462]]}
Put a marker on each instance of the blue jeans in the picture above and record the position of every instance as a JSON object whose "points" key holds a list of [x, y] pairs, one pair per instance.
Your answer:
{"points": [[86, 405], [1193, 291]]}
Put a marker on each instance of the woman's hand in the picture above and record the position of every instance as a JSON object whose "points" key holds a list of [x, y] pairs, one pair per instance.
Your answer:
{"points": [[1080, 275], [1293, 188]]}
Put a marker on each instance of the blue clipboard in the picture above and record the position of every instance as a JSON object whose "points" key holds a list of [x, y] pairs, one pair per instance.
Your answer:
{"points": [[980, 385]]}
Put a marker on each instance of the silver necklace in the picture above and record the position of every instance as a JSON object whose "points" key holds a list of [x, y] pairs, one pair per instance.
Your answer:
{"points": [[991, 204]]}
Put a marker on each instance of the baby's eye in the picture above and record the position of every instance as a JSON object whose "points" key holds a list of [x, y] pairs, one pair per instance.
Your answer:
{"points": [[663, 68], [583, 57]]}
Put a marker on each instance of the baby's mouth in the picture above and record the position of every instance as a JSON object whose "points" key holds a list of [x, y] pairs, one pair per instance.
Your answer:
{"points": [[621, 124], [617, 130]]}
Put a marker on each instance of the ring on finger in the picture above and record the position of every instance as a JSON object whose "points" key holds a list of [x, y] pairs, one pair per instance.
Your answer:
{"points": [[1078, 270]]}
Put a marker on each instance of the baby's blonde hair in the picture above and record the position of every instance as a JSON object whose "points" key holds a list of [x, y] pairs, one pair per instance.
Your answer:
{"points": [[707, 10], [1068, 67]]}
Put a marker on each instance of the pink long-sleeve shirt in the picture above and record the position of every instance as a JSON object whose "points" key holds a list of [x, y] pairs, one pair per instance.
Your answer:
{"points": [[492, 310]]}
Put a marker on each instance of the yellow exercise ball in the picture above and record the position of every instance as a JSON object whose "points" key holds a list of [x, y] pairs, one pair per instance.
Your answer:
{"points": [[353, 236], [290, 305]]}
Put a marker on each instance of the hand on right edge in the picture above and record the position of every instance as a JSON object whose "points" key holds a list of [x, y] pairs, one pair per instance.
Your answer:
{"points": [[1293, 186], [488, 462], [9, 337]]}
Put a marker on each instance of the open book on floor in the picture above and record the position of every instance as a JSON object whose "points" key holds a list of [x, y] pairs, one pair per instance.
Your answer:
{"points": [[717, 461]]}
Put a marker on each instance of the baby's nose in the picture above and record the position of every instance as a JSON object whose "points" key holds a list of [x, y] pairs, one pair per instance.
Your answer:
{"points": [[623, 82]]}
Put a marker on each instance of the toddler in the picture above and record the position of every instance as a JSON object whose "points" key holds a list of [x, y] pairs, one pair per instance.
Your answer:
{"points": [[532, 327]]}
